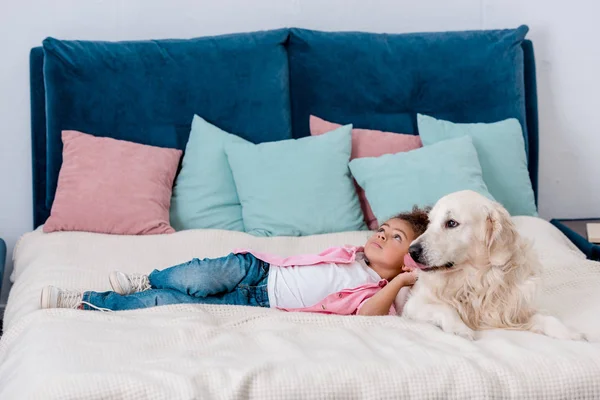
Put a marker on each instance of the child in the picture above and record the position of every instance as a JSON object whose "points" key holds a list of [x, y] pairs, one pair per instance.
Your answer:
{"points": [[340, 280]]}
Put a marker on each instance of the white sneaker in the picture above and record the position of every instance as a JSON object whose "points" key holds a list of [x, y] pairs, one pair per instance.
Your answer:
{"points": [[53, 297], [125, 284]]}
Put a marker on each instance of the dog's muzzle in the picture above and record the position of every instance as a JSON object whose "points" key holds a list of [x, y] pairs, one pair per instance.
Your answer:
{"points": [[416, 252]]}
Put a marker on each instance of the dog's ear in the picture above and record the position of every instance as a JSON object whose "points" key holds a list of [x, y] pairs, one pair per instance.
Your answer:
{"points": [[501, 235]]}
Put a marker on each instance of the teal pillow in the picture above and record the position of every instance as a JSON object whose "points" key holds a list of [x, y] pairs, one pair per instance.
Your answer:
{"points": [[297, 187], [394, 183], [204, 195], [501, 151]]}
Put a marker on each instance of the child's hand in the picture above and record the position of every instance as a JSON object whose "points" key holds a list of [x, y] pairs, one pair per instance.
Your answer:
{"points": [[407, 268], [409, 278]]}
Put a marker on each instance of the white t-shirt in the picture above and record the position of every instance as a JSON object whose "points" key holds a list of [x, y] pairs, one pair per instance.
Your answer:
{"points": [[304, 286]]}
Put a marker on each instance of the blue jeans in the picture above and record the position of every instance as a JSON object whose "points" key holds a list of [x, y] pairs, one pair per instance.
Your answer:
{"points": [[236, 279]]}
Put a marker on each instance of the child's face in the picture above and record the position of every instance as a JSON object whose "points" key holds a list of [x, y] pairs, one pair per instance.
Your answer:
{"points": [[387, 247]]}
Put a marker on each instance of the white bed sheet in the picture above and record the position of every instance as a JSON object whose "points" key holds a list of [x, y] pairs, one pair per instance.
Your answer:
{"points": [[196, 351]]}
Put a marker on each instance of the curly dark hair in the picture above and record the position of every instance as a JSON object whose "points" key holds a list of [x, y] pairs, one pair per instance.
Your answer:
{"points": [[417, 218]]}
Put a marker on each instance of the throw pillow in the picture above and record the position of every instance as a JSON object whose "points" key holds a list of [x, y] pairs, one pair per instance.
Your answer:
{"points": [[369, 143], [204, 196], [501, 150], [394, 183], [296, 187], [113, 186]]}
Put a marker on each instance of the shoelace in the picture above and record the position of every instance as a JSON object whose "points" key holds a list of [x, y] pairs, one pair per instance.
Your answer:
{"points": [[95, 307], [139, 282], [73, 299], [69, 299]]}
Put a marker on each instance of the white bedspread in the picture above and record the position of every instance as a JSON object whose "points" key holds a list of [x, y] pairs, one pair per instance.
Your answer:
{"points": [[203, 352]]}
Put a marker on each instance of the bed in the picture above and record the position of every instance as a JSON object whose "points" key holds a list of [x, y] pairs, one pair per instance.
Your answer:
{"points": [[202, 351], [186, 352]]}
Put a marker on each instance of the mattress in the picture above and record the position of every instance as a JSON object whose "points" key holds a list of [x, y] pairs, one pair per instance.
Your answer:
{"points": [[227, 352]]}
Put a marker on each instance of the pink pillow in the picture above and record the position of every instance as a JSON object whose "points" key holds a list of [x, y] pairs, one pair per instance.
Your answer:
{"points": [[113, 186], [369, 143]]}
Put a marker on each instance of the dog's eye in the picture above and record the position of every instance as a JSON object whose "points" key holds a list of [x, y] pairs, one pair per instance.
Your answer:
{"points": [[451, 224]]}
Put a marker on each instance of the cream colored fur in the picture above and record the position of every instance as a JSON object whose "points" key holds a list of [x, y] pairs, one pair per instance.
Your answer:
{"points": [[494, 280]]}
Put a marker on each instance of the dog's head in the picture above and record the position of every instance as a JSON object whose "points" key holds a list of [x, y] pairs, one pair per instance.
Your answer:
{"points": [[464, 227]]}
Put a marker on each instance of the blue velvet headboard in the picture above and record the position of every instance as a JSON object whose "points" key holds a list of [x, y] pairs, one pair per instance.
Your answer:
{"points": [[263, 85]]}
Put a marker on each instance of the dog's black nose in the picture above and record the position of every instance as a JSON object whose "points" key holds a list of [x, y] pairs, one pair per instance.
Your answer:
{"points": [[415, 251]]}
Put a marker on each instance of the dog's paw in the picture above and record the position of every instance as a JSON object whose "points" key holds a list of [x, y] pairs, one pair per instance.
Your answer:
{"points": [[591, 337], [567, 335], [554, 328], [459, 330], [572, 335]]}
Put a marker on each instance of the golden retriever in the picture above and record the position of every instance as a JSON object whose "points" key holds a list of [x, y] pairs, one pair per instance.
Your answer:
{"points": [[476, 272]]}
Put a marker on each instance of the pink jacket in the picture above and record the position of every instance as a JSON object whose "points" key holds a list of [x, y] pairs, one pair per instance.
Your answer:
{"points": [[345, 302]]}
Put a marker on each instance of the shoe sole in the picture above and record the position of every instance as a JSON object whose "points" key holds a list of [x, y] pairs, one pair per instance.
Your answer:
{"points": [[45, 298], [114, 283]]}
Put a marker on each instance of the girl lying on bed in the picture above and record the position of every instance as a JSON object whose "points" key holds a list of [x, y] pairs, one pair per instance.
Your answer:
{"points": [[340, 280]]}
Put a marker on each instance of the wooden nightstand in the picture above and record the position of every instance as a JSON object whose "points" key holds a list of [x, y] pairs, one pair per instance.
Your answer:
{"points": [[575, 230]]}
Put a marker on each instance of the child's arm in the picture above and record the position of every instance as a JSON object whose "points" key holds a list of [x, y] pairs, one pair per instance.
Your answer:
{"points": [[382, 301]]}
